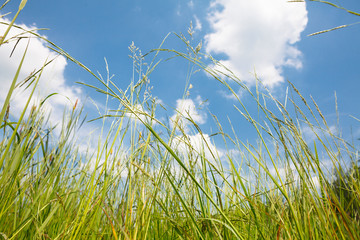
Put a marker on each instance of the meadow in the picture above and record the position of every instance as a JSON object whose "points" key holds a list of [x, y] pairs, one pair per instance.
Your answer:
{"points": [[146, 180]]}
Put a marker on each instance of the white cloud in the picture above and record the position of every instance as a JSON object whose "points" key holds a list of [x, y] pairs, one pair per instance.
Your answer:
{"points": [[257, 35], [196, 145], [312, 134], [115, 163], [51, 81], [198, 25], [315, 180], [159, 101], [284, 173], [229, 95], [186, 108], [141, 114]]}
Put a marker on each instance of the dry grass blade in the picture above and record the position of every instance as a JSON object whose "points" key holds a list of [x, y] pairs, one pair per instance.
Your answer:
{"points": [[328, 30]]}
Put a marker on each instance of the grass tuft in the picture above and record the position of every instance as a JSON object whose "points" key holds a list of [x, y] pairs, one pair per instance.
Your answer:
{"points": [[146, 179]]}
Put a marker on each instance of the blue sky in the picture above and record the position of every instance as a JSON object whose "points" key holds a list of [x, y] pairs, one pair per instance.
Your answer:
{"points": [[246, 35]]}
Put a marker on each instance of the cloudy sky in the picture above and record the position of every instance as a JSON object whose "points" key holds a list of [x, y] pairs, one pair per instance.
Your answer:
{"points": [[269, 38]]}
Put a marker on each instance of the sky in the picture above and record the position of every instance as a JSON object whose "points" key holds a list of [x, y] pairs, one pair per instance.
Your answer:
{"points": [[269, 38]]}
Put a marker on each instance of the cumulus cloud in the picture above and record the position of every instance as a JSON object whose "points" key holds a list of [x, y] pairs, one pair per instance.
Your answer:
{"points": [[52, 79], [186, 108], [257, 35], [192, 146], [140, 113], [113, 161]]}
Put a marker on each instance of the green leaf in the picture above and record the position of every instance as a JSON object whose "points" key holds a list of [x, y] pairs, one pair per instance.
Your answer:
{"points": [[355, 13], [12, 87]]}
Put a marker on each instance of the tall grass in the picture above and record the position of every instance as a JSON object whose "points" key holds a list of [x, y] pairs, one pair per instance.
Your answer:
{"points": [[146, 180]]}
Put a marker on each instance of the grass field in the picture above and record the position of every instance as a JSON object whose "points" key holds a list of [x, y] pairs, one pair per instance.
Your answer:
{"points": [[157, 185]]}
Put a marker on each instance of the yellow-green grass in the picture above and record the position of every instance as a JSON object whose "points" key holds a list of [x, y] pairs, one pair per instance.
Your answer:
{"points": [[138, 184]]}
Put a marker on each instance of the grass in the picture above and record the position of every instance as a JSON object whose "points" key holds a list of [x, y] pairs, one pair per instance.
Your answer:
{"points": [[153, 189]]}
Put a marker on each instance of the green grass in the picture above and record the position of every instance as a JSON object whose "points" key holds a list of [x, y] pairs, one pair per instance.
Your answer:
{"points": [[138, 184]]}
